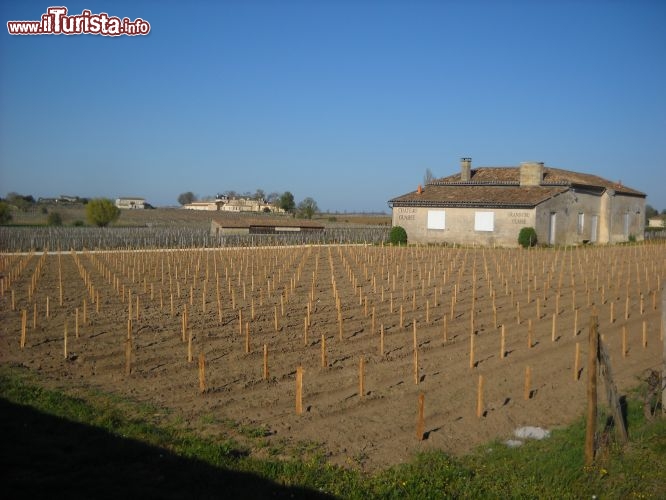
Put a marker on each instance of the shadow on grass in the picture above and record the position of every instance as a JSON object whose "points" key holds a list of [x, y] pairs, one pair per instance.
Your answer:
{"points": [[48, 457]]}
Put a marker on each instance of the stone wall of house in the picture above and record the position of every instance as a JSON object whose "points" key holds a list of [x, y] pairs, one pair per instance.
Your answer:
{"points": [[467, 226], [577, 218], [626, 217], [570, 218]]}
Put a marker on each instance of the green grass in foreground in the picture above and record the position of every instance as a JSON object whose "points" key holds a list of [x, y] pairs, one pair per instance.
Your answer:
{"points": [[552, 468]]}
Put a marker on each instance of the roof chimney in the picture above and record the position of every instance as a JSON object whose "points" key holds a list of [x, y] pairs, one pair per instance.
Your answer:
{"points": [[465, 169], [531, 173]]}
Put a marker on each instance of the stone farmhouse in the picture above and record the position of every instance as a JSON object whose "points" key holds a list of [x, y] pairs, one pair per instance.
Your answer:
{"points": [[131, 203], [489, 205], [657, 222], [204, 205], [234, 205]]}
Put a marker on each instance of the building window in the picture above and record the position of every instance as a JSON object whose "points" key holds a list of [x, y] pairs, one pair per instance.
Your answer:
{"points": [[436, 219], [581, 223], [484, 221], [594, 224]]}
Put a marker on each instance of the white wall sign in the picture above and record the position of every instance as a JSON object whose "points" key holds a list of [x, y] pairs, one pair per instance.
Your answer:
{"points": [[484, 221], [436, 219]]}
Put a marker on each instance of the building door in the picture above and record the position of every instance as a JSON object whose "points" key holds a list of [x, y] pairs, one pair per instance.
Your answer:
{"points": [[626, 226], [594, 223], [552, 232]]}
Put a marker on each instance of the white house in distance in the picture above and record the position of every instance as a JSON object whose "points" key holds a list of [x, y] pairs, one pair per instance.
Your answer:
{"points": [[657, 222], [234, 205], [131, 203], [204, 205], [489, 205]]}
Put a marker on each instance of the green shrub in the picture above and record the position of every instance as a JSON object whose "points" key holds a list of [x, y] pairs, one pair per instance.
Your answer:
{"points": [[101, 212], [398, 235], [78, 223], [527, 237], [5, 213], [54, 219]]}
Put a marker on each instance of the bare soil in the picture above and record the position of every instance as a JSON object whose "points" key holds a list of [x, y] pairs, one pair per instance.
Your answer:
{"points": [[378, 426]]}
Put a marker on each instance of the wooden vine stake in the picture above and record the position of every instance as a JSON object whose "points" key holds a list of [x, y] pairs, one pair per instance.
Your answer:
{"points": [[593, 353], [361, 377], [324, 362], [189, 346], [24, 321], [554, 328], [471, 351], [530, 328], [265, 371], [528, 383], [420, 423], [128, 356], [644, 334], [612, 312], [577, 362], [624, 341], [202, 373], [518, 312], [479, 398], [381, 339], [299, 390], [373, 321], [275, 316], [502, 343], [247, 338], [445, 329], [65, 343], [184, 325]]}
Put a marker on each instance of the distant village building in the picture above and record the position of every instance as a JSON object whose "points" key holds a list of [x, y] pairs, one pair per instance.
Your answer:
{"points": [[249, 205], [489, 205], [63, 199], [131, 203], [244, 224], [204, 205], [234, 205], [657, 222]]}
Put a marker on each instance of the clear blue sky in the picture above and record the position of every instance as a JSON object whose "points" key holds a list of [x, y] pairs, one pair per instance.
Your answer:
{"points": [[348, 102]]}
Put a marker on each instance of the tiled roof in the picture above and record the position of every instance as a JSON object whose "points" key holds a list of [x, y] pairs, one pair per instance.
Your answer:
{"points": [[551, 176], [479, 195], [500, 186]]}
